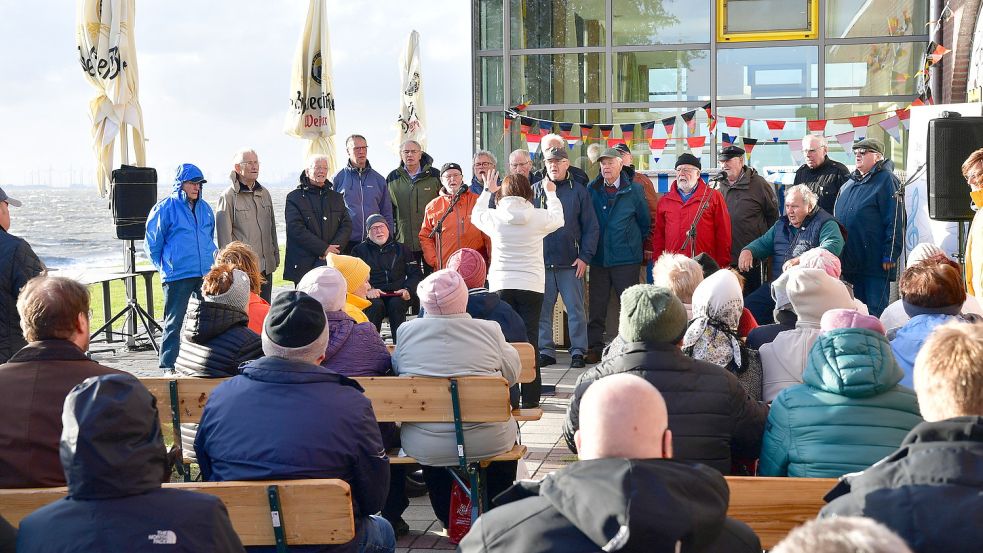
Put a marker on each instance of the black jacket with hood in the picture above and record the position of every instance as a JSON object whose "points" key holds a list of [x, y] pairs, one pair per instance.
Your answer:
{"points": [[215, 340], [391, 266], [114, 459], [626, 505], [316, 218]]}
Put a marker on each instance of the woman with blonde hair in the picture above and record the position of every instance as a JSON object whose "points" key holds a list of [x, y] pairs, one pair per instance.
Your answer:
{"points": [[242, 257]]}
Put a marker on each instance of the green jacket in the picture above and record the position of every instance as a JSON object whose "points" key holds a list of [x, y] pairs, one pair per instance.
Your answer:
{"points": [[410, 196], [849, 413]]}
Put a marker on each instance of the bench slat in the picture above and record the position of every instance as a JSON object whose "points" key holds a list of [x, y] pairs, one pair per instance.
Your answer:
{"points": [[423, 399], [527, 356], [517, 452], [527, 414], [772, 507]]}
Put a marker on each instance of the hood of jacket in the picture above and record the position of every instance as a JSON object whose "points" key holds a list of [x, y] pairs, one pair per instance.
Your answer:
{"points": [[852, 362], [111, 444], [207, 319], [513, 210], [178, 192], [812, 293], [632, 505], [340, 326], [481, 303]]}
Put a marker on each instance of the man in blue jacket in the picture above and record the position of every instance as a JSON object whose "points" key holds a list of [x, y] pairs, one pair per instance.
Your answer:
{"points": [[623, 218], [566, 252], [364, 189], [868, 210], [180, 242], [286, 417]]}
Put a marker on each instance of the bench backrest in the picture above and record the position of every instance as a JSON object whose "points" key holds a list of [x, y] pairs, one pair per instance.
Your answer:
{"points": [[527, 356], [311, 511], [772, 507]]}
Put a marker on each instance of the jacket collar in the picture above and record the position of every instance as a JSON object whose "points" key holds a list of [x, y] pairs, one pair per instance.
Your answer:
{"points": [[305, 183], [238, 185], [284, 371], [956, 429], [49, 350]]}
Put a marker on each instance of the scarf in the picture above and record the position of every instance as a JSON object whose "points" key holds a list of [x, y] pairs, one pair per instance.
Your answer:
{"points": [[717, 307]]}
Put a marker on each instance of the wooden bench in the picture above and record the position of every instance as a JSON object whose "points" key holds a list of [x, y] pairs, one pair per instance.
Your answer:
{"points": [[276, 512], [772, 507]]}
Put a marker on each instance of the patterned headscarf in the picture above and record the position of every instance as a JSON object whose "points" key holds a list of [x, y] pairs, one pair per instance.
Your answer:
{"points": [[717, 307]]}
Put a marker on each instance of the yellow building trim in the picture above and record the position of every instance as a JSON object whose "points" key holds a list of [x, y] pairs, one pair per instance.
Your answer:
{"points": [[812, 32]]}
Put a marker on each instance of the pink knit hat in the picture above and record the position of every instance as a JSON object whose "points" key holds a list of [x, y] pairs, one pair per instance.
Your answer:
{"points": [[326, 285], [443, 293], [469, 264], [821, 258], [849, 318]]}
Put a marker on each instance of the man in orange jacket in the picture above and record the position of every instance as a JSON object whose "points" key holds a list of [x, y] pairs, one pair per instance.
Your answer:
{"points": [[458, 232]]}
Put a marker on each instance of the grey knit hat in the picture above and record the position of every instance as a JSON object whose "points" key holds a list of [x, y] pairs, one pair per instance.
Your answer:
{"points": [[237, 295], [651, 313]]}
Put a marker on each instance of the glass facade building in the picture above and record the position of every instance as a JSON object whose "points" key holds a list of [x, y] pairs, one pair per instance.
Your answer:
{"points": [[623, 61]]}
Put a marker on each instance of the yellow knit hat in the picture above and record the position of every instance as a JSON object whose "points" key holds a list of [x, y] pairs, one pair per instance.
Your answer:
{"points": [[355, 271]]}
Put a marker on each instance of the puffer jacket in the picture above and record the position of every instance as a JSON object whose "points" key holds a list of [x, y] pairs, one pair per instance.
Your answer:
{"points": [[316, 217], [114, 460], [391, 266], [849, 413], [18, 264], [459, 231], [624, 223], [753, 207], [910, 338], [712, 416], [866, 207], [180, 243], [355, 349], [366, 193], [489, 306], [215, 340], [410, 196], [577, 239]]}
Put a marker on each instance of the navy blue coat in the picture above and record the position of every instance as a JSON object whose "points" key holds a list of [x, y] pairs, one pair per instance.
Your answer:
{"points": [[624, 223], [578, 236], [866, 207], [18, 264]]}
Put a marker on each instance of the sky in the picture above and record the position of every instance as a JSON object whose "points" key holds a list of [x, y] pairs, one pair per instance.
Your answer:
{"points": [[214, 77]]}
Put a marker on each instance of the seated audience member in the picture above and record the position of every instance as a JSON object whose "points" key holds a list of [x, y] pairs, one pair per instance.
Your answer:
{"points": [[54, 316], [483, 304], [680, 274], [114, 460], [784, 317], [8, 537], [242, 257], [747, 322], [712, 336], [625, 493], [713, 417], [849, 413], [392, 270], [894, 316], [476, 348], [356, 273], [286, 417], [354, 349], [812, 293], [930, 491], [842, 535], [931, 295]]}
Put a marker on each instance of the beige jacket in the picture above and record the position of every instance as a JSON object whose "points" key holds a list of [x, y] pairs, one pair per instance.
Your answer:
{"points": [[247, 216]]}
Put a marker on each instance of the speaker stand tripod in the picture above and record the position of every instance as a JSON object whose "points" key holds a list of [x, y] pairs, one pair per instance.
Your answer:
{"points": [[133, 311]]}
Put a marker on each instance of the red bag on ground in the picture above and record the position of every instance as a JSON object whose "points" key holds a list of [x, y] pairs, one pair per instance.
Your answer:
{"points": [[460, 515]]}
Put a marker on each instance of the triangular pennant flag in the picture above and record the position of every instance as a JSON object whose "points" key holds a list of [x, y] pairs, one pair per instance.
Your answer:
{"points": [[727, 140], [585, 131], [657, 145], [795, 147], [696, 144], [628, 133], [520, 107], [612, 142], [904, 115], [890, 126], [816, 126], [648, 127], [706, 108], [711, 124], [749, 144], [775, 127], [937, 54], [860, 124], [846, 140], [925, 98], [606, 131], [566, 131], [669, 123], [690, 118], [734, 122], [533, 140], [508, 123], [524, 124]]}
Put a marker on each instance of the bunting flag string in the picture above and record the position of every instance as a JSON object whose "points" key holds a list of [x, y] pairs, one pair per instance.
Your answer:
{"points": [[648, 128], [749, 144], [628, 133], [585, 131], [904, 115], [727, 140], [657, 145], [690, 118], [890, 126], [846, 140], [566, 131], [605, 130], [734, 122], [795, 147], [669, 123], [696, 144], [508, 123], [532, 143], [860, 124], [816, 126], [775, 127]]}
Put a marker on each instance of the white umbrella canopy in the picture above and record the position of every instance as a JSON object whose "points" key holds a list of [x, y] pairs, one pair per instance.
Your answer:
{"points": [[107, 53], [412, 119], [312, 114]]}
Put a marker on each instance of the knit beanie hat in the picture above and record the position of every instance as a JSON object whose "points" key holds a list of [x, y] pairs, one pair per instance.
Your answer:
{"points": [[355, 271], [470, 265], [821, 258], [373, 219], [295, 328], [443, 293], [849, 318], [813, 293], [923, 251], [237, 296], [651, 314], [327, 286]]}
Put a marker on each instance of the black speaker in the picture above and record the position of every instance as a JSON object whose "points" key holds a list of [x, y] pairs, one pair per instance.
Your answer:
{"points": [[951, 138], [133, 196]]}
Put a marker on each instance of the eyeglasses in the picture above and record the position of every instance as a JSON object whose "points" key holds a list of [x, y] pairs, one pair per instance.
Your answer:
{"points": [[410, 152], [249, 162], [689, 170], [862, 152], [359, 148], [811, 150], [483, 164], [520, 164]]}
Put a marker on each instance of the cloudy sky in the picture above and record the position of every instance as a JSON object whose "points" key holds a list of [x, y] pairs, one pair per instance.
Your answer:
{"points": [[214, 76]]}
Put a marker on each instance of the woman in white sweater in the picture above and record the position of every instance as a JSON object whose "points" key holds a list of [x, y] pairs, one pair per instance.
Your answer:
{"points": [[517, 271]]}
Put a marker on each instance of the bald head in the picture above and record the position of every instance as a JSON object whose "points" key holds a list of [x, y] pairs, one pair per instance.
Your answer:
{"points": [[623, 415]]}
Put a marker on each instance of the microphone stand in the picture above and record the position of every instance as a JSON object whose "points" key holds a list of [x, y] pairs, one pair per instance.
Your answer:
{"points": [[438, 229], [691, 233], [899, 211]]}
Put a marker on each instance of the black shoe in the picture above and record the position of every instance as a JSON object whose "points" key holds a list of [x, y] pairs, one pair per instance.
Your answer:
{"points": [[399, 527], [525, 405], [593, 357], [546, 360], [577, 361]]}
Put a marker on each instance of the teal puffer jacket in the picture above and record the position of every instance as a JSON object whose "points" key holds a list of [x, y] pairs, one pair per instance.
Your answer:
{"points": [[849, 413]]}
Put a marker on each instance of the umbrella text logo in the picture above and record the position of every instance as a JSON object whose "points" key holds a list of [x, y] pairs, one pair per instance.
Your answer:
{"points": [[316, 68], [107, 68], [310, 103]]}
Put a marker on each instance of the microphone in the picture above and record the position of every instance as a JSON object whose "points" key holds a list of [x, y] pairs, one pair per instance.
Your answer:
{"points": [[461, 190], [719, 177]]}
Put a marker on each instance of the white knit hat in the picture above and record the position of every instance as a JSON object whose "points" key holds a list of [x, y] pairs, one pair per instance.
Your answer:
{"points": [[237, 295]]}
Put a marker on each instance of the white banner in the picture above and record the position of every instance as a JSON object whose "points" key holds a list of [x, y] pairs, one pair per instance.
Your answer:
{"points": [[412, 119]]}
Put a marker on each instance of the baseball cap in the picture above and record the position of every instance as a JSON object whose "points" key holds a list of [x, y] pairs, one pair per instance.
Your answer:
{"points": [[448, 166], [623, 148], [5, 198], [556, 153], [610, 152]]}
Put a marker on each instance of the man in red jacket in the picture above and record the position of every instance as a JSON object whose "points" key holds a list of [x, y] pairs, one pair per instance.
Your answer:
{"points": [[678, 209]]}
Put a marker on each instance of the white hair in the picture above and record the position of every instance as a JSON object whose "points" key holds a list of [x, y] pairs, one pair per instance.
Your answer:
{"points": [[238, 156], [842, 535], [678, 273], [520, 152], [818, 139], [594, 152], [410, 141], [485, 153], [552, 137], [312, 159], [808, 196]]}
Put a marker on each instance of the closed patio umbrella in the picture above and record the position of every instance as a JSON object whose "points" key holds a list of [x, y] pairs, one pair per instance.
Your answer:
{"points": [[412, 119]]}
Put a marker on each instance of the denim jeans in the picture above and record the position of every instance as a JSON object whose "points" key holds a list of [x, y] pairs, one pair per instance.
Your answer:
{"points": [[376, 536], [177, 293], [565, 283]]}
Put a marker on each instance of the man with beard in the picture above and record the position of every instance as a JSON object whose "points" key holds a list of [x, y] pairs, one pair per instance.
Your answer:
{"points": [[393, 274]]}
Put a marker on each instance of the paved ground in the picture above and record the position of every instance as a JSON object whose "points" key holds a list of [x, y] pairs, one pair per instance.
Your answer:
{"points": [[543, 438]]}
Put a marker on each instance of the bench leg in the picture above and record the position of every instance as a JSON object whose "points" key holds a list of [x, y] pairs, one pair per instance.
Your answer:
{"points": [[279, 533]]}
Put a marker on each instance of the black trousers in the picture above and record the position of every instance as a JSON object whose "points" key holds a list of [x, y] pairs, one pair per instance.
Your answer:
{"points": [[392, 307], [396, 500], [752, 279], [529, 306], [601, 282], [266, 290], [499, 476]]}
